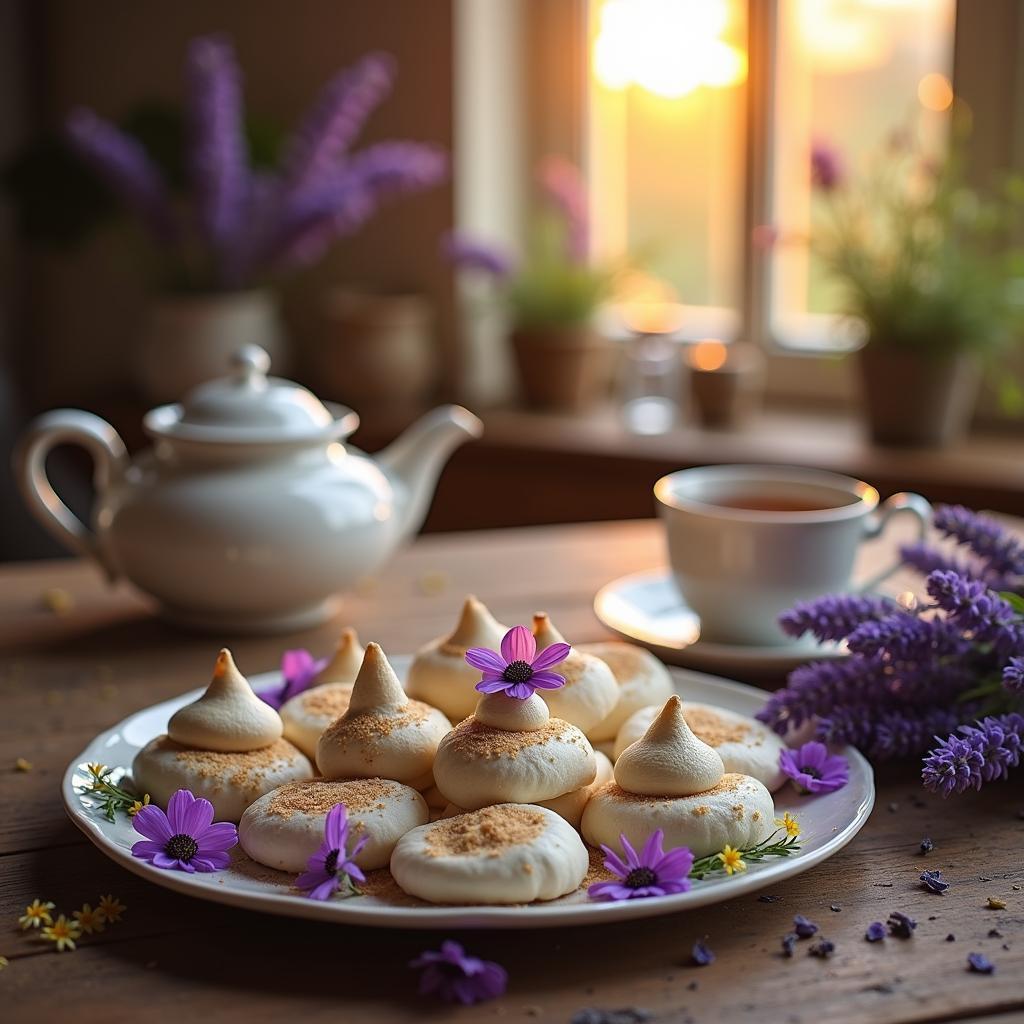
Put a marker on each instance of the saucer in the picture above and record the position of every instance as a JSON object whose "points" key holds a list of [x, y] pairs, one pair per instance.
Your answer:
{"points": [[647, 608]]}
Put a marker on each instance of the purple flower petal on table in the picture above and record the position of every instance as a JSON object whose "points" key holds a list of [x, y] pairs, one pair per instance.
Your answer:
{"points": [[551, 655], [980, 964], [518, 644], [455, 976], [486, 660], [875, 932], [803, 927], [702, 954], [932, 881]]}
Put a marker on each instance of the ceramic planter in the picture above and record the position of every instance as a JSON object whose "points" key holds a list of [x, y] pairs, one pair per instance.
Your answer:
{"points": [[189, 339], [917, 399], [375, 348], [564, 369]]}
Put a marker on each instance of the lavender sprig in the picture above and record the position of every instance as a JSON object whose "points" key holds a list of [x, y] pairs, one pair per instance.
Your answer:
{"points": [[979, 611], [1002, 553], [218, 163], [975, 754], [834, 616], [122, 162]]}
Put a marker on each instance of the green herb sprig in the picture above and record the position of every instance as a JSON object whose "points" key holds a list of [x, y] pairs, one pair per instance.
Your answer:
{"points": [[111, 796], [769, 847]]}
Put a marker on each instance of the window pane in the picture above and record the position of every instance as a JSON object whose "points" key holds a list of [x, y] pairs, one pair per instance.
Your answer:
{"points": [[667, 147], [851, 74]]}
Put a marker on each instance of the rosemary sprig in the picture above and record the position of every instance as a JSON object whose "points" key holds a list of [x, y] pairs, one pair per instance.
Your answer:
{"points": [[110, 796], [766, 848]]}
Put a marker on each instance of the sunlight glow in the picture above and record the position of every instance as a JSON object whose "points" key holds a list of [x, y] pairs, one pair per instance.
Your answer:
{"points": [[935, 92], [668, 47]]}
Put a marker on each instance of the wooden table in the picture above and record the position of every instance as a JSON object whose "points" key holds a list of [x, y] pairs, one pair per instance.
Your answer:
{"points": [[66, 677]]}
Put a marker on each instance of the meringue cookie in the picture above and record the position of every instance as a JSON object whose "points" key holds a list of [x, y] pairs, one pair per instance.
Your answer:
{"points": [[344, 664], [230, 780], [439, 674], [642, 679], [745, 745], [228, 717], [383, 733], [668, 760], [738, 810], [571, 805], [478, 764], [590, 692], [284, 828], [307, 714], [509, 853]]}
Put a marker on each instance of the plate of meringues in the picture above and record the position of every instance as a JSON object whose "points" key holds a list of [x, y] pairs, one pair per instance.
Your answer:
{"points": [[468, 808]]}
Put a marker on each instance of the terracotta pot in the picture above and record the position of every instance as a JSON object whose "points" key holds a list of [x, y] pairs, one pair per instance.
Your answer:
{"points": [[568, 369], [375, 348], [917, 399], [190, 339]]}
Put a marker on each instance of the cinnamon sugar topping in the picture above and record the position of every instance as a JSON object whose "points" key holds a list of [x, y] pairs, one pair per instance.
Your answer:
{"points": [[327, 701], [476, 741], [318, 796], [713, 729], [245, 767], [489, 831], [366, 727]]}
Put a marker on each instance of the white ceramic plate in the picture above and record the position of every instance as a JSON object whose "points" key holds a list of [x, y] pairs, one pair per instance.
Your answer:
{"points": [[829, 822], [646, 608]]}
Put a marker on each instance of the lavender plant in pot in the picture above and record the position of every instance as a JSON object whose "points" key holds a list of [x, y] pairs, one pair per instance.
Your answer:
{"points": [[551, 295], [928, 267], [236, 229]]}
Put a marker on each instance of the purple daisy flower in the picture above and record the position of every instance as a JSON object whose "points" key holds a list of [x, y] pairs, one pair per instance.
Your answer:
{"points": [[331, 863], [186, 838], [651, 873], [814, 769], [299, 668], [454, 976], [518, 670]]}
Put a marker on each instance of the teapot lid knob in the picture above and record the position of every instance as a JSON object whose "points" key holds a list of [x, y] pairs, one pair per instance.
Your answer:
{"points": [[250, 364]]}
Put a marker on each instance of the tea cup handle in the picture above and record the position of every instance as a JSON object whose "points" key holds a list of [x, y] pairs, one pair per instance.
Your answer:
{"points": [[96, 436], [904, 501]]}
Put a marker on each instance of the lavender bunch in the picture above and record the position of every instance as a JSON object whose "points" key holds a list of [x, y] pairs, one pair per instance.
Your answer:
{"points": [[238, 225], [952, 665]]}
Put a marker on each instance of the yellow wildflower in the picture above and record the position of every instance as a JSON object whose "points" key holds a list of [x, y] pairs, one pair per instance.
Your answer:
{"points": [[63, 933], [90, 920], [732, 860], [22, 765], [95, 768], [112, 909], [138, 805], [789, 823], [36, 913]]}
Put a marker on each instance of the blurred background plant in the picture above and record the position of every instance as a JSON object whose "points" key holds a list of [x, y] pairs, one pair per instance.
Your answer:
{"points": [[227, 199]]}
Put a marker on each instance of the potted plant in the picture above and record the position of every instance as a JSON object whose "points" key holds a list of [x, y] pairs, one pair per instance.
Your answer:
{"points": [[928, 267], [551, 296], [228, 210]]}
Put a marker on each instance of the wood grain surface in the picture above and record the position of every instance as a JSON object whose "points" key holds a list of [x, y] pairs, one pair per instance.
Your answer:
{"points": [[63, 678]]}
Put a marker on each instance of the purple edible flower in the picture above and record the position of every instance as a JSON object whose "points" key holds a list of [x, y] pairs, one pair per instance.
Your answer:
{"points": [[219, 160], [651, 873], [339, 114], [826, 167], [875, 932], [331, 864], [823, 948], [980, 964], [789, 943], [701, 953], [814, 769], [833, 617], [975, 608], [518, 671], [298, 668], [454, 976], [186, 838], [467, 253], [123, 163], [564, 189], [901, 925], [803, 927], [903, 637], [933, 881]]}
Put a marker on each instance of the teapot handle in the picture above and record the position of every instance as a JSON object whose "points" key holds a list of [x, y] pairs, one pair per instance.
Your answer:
{"points": [[96, 436]]}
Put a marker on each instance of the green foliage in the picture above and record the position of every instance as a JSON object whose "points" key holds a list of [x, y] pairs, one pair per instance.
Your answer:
{"points": [[925, 262], [551, 290]]}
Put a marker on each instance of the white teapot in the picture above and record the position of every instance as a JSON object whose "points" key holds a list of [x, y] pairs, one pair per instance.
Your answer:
{"points": [[249, 513]]}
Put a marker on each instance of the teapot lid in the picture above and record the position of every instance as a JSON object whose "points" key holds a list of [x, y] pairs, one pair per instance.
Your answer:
{"points": [[248, 407]]}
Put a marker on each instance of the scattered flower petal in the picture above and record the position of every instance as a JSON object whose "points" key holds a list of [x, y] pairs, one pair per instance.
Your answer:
{"points": [[701, 953], [980, 964], [927, 845], [456, 977], [36, 914], [803, 927], [875, 932], [933, 881], [62, 933], [901, 925], [788, 943], [823, 948], [22, 765], [994, 903]]}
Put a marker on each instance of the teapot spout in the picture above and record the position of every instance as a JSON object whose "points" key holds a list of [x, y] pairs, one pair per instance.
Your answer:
{"points": [[415, 460]]}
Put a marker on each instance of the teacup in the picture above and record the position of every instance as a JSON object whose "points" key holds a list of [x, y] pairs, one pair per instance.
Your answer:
{"points": [[747, 542]]}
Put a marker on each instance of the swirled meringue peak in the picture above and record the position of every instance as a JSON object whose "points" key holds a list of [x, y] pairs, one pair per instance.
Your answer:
{"points": [[668, 760], [510, 714], [344, 664], [228, 717]]}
